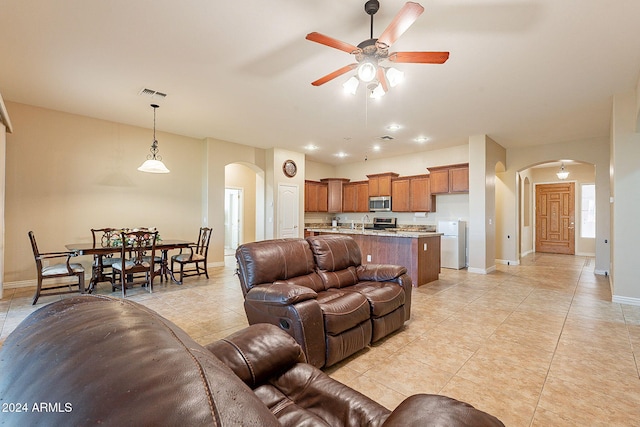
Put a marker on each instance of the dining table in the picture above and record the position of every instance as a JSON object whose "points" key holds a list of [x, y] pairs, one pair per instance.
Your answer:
{"points": [[164, 246]]}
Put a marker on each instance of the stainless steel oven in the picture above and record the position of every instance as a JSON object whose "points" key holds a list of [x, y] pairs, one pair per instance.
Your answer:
{"points": [[380, 204]]}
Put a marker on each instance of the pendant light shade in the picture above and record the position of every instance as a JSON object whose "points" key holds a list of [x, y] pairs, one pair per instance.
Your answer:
{"points": [[562, 174], [154, 164]]}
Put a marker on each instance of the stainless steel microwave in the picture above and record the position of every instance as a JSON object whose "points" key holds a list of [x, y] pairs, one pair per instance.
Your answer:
{"points": [[380, 204]]}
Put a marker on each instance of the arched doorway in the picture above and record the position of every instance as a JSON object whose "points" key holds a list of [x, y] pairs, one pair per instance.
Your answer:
{"points": [[244, 205], [534, 178]]}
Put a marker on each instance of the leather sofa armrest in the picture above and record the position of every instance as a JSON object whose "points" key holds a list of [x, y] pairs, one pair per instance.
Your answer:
{"points": [[258, 352], [280, 293], [430, 410], [380, 272]]}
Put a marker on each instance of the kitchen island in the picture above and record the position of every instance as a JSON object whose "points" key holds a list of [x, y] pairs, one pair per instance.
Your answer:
{"points": [[418, 251]]}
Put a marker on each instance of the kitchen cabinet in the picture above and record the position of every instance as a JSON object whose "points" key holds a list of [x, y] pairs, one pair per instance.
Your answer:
{"points": [[334, 193], [450, 179], [422, 200], [315, 196], [459, 179], [380, 184], [355, 197], [401, 201], [412, 194]]}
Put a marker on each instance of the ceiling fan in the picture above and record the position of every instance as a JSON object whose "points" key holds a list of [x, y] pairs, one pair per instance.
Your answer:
{"points": [[372, 54]]}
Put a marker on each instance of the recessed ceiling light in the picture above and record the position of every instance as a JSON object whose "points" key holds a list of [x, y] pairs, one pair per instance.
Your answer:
{"points": [[393, 127], [421, 139], [310, 147], [341, 154], [376, 148]]}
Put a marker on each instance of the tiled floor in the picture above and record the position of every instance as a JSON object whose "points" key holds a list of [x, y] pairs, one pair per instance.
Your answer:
{"points": [[539, 344]]}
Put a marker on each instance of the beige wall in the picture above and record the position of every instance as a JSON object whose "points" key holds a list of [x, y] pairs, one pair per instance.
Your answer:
{"points": [[3, 145], [67, 174], [625, 181]]}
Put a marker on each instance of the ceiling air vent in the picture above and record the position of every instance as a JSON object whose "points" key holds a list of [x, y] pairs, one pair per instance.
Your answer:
{"points": [[386, 138], [152, 93]]}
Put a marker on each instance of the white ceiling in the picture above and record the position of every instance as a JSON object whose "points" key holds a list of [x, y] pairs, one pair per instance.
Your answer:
{"points": [[524, 72]]}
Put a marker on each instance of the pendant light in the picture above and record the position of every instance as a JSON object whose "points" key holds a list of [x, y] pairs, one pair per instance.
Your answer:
{"points": [[562, 174], [154, 164]]}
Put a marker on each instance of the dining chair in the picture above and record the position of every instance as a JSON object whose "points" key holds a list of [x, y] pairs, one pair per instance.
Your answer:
{"points": [[102, 271], [197, 255], [55, 271], [136, 256]]}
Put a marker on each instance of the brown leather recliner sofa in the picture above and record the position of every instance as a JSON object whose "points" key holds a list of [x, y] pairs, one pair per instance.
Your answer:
{"points": [[318, 290], [92, 360]]}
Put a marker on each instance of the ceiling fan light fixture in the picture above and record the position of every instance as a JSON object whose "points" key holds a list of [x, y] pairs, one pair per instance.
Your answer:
{"points": [[367, 71], [395, 76], [378, 92], [351, 85]]}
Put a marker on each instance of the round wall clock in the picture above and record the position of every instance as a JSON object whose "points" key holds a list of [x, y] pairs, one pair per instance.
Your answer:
{"points": [[289, 168]]}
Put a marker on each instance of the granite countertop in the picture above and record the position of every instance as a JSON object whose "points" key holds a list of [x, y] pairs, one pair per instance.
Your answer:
{"points": [[370, 231]]}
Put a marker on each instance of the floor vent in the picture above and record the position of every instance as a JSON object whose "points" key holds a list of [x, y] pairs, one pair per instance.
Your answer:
{"points": [[152, 93]]}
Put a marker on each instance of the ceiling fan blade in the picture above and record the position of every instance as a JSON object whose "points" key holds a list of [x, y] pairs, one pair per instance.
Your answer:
{"points": [[419, 57], [402, 21], [331, 42], [337, 73], [382, 79]]}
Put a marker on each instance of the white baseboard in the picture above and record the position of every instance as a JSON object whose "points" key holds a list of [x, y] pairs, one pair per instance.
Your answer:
{"points": [[525, 253], [601, 272], [20, 284], [482, 270], [626, 300], [507, 262]]}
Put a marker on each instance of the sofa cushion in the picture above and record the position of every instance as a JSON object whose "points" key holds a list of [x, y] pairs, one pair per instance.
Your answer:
{"points": [[342, 310], [339, 279], [380, 272], [270, 260], [383, 297], [335, 252], [311, 280], [280, 293], [305, 395]]}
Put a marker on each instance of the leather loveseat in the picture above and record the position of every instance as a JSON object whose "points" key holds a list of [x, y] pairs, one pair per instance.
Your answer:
{"points": [[318, 290], [91, 360]]}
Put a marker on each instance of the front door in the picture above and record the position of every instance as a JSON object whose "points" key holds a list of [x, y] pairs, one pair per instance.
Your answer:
{"points": [[555, 218]]}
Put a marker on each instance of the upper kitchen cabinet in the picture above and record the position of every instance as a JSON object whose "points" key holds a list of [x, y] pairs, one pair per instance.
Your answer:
{"points": [[422, 198], [412, 194], [355, 196], [449, 179], [315, 196], [380, 184], [401, 188], [334, 190]]}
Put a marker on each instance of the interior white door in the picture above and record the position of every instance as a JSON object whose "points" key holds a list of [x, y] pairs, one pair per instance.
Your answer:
{"points": [[288, 212], [232, 218]]}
